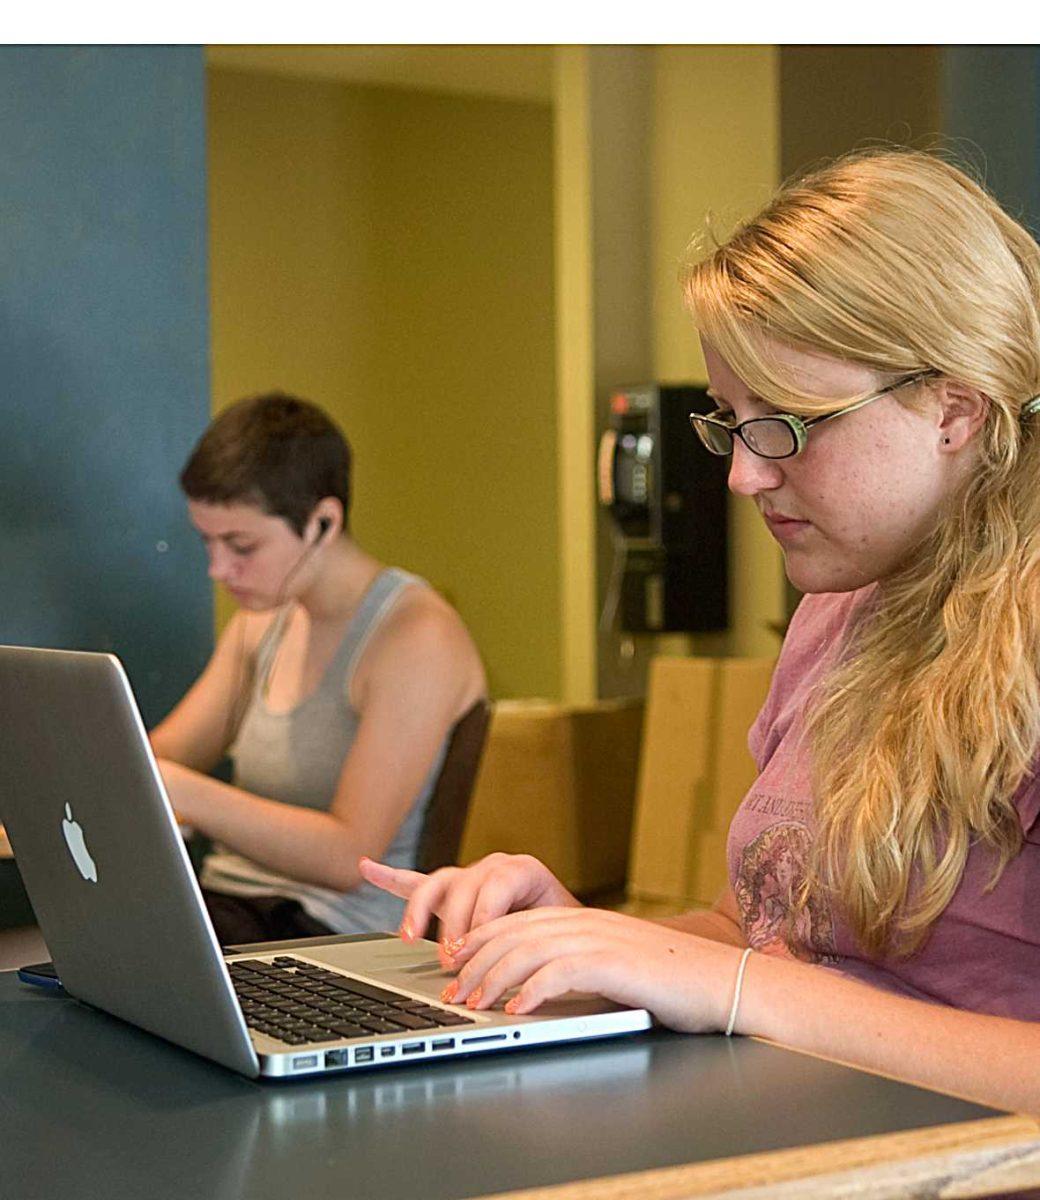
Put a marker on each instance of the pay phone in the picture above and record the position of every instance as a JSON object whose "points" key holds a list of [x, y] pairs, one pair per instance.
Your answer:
{"points": [[668, 499]]}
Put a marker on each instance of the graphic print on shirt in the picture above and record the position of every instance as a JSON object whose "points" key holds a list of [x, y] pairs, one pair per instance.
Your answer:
{"points": [[772, 867]]}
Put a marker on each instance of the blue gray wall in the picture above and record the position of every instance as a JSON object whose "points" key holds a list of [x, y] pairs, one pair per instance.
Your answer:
{"points": [[991, 100], [104, 381]]}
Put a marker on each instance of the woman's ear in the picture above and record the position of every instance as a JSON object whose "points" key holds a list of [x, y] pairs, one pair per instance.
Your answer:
{"points": [[962, 413], [327, 518]]}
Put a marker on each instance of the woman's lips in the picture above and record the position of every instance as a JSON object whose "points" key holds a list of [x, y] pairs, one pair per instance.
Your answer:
{"points": [[782, 527]]}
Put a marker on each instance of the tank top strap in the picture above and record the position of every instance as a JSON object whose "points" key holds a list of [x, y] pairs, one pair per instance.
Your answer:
{"points": [[383, 593]]}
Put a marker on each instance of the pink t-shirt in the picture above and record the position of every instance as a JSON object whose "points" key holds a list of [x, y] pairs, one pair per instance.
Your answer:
{"points": [[983, 952]]}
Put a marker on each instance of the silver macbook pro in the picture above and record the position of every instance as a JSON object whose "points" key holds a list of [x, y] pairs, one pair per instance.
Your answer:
{"points": [[105, 866]]}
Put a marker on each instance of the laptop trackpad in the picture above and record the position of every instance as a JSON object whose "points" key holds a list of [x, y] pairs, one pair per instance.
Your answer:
{"points": [[414, 968]]}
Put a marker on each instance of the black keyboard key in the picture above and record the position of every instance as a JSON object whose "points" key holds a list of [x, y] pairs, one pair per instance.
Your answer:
{"points": [[414, 1021], [443, 1017], [378, 1025], [349, 1030], [369, 991]]}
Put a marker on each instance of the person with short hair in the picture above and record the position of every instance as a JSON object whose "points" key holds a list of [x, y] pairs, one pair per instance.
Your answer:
{"points": [[333, 689], [872, 340]]}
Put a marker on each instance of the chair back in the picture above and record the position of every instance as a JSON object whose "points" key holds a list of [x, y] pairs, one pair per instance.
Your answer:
{"points": [[558, 781], [695, 769], [446, 812]]}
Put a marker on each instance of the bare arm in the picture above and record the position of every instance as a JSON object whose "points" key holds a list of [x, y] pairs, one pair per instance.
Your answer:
{"points": [[196, 733], [990, 1059], [688, 983], [418, 681], [720, 923]]}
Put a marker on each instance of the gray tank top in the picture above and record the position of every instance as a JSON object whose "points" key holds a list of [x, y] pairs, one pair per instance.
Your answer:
{"points": [[297, 757]]}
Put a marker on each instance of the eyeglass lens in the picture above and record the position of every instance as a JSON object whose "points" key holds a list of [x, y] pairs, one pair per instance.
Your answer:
{"points": [[765, 436], [770, 438]]}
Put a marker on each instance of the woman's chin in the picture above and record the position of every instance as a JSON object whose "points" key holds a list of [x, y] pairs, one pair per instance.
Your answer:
{"points": [[810, 575]]}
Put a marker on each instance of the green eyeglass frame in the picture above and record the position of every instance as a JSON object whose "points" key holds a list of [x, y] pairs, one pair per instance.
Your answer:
{"points": [[796, 436]]}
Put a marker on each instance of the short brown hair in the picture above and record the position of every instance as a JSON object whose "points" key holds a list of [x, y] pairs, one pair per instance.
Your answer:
{"points": [[276, 451]]}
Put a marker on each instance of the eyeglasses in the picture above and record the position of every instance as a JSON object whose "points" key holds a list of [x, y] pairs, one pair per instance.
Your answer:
{"points": [[781, 435]]}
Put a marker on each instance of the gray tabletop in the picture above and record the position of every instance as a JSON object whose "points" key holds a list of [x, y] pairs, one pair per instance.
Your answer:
{"points": [[92, 1107]]}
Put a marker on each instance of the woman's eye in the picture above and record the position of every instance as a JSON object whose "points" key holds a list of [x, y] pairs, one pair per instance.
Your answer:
{"points": [[241, 551]]}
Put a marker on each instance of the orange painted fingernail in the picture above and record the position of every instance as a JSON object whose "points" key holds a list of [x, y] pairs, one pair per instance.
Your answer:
{"points": [[473, 999], [452, 946], [450, 992], [513, 1005], [406, 932]]}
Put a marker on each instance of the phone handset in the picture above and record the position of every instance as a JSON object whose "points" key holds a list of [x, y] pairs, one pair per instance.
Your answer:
{"points": [[606, 467]]}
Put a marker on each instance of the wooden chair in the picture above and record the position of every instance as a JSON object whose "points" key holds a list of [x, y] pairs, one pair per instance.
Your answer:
{"points": [[446, 812], [558, 781]]}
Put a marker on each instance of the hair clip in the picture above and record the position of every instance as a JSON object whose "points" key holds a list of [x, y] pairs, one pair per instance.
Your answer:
{"points": [[1030, 407]]}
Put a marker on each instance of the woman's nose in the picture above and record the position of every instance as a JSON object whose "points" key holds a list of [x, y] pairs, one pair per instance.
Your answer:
{"points": [[218, 564], [750, 473]]}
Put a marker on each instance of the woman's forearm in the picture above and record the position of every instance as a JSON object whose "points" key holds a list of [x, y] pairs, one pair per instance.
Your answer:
{"points": [[992, 1060], [706, 923], [305, 844]]}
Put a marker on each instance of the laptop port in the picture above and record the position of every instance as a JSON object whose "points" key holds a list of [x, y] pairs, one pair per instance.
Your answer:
{"points": [[303, 1062], [413, 1048], [443, 1044], [387, 1051], [364, 1054], [336, 1058]]}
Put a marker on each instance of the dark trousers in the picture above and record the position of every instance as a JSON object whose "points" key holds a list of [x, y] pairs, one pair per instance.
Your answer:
{"points": [[241, 919]]}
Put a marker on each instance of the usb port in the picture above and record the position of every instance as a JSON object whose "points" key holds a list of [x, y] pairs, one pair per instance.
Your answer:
{"points": [[387, 1051], [413, 1048], [443, 1044], [336, 1058], [364, 1054]]}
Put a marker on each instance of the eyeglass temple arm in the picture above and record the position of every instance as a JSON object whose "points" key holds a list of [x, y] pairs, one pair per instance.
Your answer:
{"points": [[892, 387]]}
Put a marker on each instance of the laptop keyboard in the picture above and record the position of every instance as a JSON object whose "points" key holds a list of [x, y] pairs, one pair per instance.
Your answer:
{"points": [[297, 1002]]}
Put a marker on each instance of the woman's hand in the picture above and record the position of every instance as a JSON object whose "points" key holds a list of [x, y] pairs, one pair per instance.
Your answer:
{"points": [[467, 897], [685, 981]]}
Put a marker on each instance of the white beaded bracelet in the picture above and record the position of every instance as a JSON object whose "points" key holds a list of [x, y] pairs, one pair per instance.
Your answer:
{"points": [[736, 992]]}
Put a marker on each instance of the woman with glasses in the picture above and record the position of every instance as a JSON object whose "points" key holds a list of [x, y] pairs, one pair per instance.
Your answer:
{"points": [[872, 340]]}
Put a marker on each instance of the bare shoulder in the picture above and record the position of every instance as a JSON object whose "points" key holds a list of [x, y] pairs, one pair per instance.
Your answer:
{"points": [[424, 636]]}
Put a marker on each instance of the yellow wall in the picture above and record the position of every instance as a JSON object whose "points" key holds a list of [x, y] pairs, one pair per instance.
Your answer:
{"points": [[576, 374], [388, 254], [716, 148]]}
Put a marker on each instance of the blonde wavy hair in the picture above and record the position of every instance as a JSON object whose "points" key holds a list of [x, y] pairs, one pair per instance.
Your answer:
{"points": [[924, 731]]}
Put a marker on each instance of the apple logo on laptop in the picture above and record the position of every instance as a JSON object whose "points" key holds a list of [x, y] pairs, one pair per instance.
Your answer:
{"points": [[73, 832]]}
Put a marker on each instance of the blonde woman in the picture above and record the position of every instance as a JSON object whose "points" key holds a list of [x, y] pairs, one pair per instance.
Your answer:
{"points": [[873, 344]]}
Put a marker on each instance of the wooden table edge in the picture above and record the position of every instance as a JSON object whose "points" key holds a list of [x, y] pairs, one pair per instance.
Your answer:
{"points": [[996, 1152]]}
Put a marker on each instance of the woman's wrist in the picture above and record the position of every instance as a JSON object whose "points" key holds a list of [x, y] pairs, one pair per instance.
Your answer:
{"points": [[738, 987]]}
